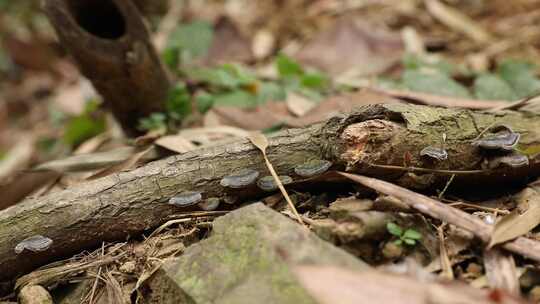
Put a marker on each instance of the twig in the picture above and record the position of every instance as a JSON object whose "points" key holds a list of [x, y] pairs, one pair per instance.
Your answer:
{"points": [[261, 142], [521, 245], [427, 170]]}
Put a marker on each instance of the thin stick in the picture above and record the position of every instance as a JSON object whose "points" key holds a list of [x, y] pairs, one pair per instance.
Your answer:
{"points": [[261, 142], [427, 170], [521, 245]]}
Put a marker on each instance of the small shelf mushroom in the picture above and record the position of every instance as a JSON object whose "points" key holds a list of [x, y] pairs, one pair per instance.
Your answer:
{"points": [[513, 160], [268, 183], [210, 204], [185, 199], [435, 153], [240, 179], [313, 168], [501, 138], [36, 243]]}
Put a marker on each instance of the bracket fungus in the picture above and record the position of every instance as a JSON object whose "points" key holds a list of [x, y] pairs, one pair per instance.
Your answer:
{"points": [[36, 243], [185, 199], [210, 204], [240, 179], [500, 138], [268, 183], [435, 153], [513, 160], [313, 168]]}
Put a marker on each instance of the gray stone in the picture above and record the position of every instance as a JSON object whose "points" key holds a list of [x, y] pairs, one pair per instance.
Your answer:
{"points": [[247, 259]]}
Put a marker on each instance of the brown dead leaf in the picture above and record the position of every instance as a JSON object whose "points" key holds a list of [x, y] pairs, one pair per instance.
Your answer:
{"points": [[501, 271], [263, 44], [518, 222], [229, 45], [18, 157], [258, 118], [175, 143], [337, 104], [329, 285], [441, 101], [299, 105], [349, 45], [71, 99]]}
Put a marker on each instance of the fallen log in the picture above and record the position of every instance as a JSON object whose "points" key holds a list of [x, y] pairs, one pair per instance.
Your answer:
{"points": [[111, 44], [375, 140]]}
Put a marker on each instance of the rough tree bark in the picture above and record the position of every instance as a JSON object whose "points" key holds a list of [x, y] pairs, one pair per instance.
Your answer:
{"points": [[127, 203], [111, 44]]}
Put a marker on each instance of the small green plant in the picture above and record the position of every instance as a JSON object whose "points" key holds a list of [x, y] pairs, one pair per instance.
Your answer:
{"points": [[409, 236], [86, 125], [155, 121]]}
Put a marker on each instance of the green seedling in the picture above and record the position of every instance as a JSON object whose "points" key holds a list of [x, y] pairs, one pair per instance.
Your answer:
{"points": [[409, 236]]}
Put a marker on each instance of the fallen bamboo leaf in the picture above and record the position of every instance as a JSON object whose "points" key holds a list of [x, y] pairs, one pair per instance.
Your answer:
{"points": [[458, 21], [261, 142], [518, 223], [24, 183], [125, 165], [92, 161]]}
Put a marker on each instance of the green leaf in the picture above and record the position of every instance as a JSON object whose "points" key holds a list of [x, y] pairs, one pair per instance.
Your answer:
{"points": [[215, 77], [179, 102], [192, 40], [493, 87], [270, 91], [274, 128], [394, 229], [237, 98], [154, 122], [171, 57], [82, 128], [412, 62], [204, 102], [288, 67], [398, 242], [85, 126], [434, 83], [409, 242], [315, 81], [412, 234], [520, 75]]}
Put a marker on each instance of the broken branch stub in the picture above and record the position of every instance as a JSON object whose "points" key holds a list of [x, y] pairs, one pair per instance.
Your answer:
{"points": [[111, 45]]}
